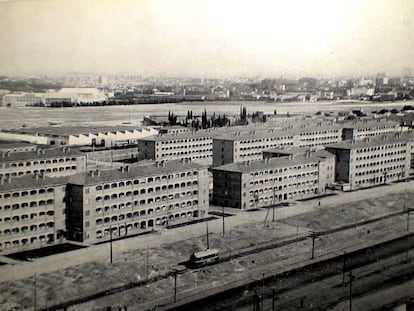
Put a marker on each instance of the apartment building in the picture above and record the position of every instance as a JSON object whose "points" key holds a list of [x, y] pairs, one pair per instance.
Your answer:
{"points": [[371, 161], [270, 181], [51, 162], [318, 135], [369, 128], [194, 146], [239, 147], [135, 199], [32, 213], [327, 160]]}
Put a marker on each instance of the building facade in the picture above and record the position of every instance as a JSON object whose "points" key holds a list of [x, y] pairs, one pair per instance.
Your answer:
{"points": [[241, 147], [196, 147], [369, 128], [51, 162], [372, 161], [270, 181], [135, 199], [32, 213]]}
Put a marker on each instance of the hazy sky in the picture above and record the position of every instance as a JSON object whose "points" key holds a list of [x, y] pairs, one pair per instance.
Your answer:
{"points": [[207, 38]]}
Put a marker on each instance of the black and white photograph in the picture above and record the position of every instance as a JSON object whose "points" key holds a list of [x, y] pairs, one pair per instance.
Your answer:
{"points": [[206, 155]]}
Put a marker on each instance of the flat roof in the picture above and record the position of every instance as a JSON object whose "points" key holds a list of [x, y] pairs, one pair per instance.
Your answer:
{"points": [[72, 130], [133, 172], [4, 144], [370, 142], [369, 124], [257, 134], [39, 154], [30, 182], [253, 166]]}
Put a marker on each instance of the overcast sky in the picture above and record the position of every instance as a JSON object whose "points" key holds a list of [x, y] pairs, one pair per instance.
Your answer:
{"points": [[208, 38]]}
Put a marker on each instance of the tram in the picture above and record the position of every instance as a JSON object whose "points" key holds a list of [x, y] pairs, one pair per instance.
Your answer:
{"points": [[203, 258]]}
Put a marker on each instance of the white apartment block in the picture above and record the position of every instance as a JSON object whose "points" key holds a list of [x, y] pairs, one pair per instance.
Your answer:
{"points": [[270, 181], [32, 213], [196, 146], [241, 147], [51, 162], [372, 161], [369, 128], [135, 199]]}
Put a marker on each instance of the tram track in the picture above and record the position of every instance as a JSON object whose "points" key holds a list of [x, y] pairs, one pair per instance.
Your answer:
{"points": [[234, 255]]}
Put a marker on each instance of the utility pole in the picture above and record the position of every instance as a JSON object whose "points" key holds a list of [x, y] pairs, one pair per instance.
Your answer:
{"points": [[274, 298], [147, 264], [313, 235], [343, 269], [35, 293], [407, 210], [175, 285], [273, 215], [351, 278], [222, 214], [208, 243], [263, 289], [110, 243]]}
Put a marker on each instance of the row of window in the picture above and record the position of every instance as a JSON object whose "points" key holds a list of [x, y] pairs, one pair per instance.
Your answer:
{"points": [[383, 147], [31, 204], [306, 183], [24, 217], [26, 229], [181, 146], [285, 196], [180, 141], [381, 155], [326, 139], [259, 140], [142, 213], [188, 152], [364, 165], [41, 162], [48, 170], [144, 224], [284, 178], [386, 171], [149, 190], [284, 169], [145, 180], [26, 241], [321, 133], [25, 193]]}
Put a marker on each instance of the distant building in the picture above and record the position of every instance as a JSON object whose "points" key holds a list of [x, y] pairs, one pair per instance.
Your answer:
{"points": [[252, 184], [174, 129], [76, 95], [22, 99], [135, 199], [372, 161], [80, 135]]}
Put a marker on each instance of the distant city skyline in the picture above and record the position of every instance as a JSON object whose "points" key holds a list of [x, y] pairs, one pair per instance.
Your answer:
{"points": [[209, 38]]}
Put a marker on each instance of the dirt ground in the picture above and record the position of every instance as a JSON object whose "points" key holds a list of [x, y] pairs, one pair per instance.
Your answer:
{"points": [[83, 272]]}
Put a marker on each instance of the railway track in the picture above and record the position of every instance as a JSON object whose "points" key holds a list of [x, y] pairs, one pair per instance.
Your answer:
{"points": [[274, 244]]}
